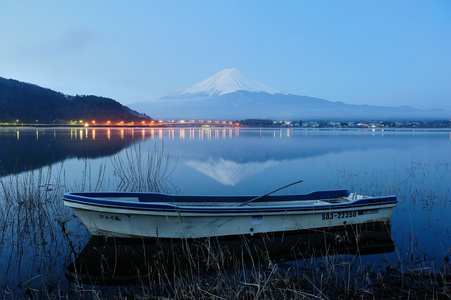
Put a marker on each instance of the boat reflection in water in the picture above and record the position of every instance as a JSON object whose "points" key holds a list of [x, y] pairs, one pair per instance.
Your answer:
{"points": [[119, 261]]}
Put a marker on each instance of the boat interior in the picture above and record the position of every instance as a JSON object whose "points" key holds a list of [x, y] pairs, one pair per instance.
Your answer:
{"points": [[237, 201]]}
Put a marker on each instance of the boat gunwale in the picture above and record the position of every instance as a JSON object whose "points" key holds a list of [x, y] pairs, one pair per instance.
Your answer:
{"points": [[169, 207]]}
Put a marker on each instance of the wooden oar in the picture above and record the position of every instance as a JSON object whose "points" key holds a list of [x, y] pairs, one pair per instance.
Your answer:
{"points": [[259, 197]]}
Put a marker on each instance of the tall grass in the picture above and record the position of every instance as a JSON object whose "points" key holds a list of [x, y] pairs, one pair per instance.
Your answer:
{"points": [[39, 236], [30, 231], [141, 172], [212, 268]]}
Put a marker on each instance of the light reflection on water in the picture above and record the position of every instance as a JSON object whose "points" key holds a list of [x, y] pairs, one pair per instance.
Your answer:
{"points": [[415, 165], [237, 161]]}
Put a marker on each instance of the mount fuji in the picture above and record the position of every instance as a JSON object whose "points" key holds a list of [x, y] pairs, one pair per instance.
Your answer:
{"points": [[231, 95], [229, 81]]}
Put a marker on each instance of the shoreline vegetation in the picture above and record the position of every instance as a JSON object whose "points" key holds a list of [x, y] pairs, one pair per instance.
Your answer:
{"points": [[42, 247]]}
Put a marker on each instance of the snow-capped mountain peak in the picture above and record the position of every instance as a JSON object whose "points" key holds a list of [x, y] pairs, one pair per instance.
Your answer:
{"points": [[229, 81]]}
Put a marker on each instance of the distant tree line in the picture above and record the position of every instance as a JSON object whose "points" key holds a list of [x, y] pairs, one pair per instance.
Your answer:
{"points": [[256, 122], [29, 103]]}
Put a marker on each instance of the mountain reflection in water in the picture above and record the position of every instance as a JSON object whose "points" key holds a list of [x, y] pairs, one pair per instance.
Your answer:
{"points": [[229, 172], [119, 261]]}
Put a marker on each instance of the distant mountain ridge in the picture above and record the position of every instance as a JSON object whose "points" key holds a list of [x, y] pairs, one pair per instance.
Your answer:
{"points": [[30, 103], [231, 95]]}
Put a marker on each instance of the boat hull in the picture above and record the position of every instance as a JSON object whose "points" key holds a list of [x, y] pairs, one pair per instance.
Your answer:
{"points": [[129, 222]]}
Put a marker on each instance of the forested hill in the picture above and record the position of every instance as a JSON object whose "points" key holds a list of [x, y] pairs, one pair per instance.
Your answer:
{"points": [[32, 104]]}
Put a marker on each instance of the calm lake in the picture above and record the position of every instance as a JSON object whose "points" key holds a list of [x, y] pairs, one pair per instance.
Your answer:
{"points": [[39, 237]]}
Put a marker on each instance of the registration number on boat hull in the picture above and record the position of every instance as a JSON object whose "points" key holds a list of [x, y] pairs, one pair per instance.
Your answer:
{"points": [[339, 215]]}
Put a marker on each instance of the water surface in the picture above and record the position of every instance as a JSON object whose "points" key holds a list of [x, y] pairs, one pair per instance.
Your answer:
{"points": [[38, 232]]}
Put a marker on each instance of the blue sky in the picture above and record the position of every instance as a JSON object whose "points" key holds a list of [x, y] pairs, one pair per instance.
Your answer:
{"points": [[361, 52]]}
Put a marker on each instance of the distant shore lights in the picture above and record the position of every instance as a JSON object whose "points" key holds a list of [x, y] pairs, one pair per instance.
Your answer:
{"points": [[156, 123]]}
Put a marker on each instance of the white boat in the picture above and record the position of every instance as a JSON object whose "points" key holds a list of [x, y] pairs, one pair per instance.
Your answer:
{"points": [[131, 215]]}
